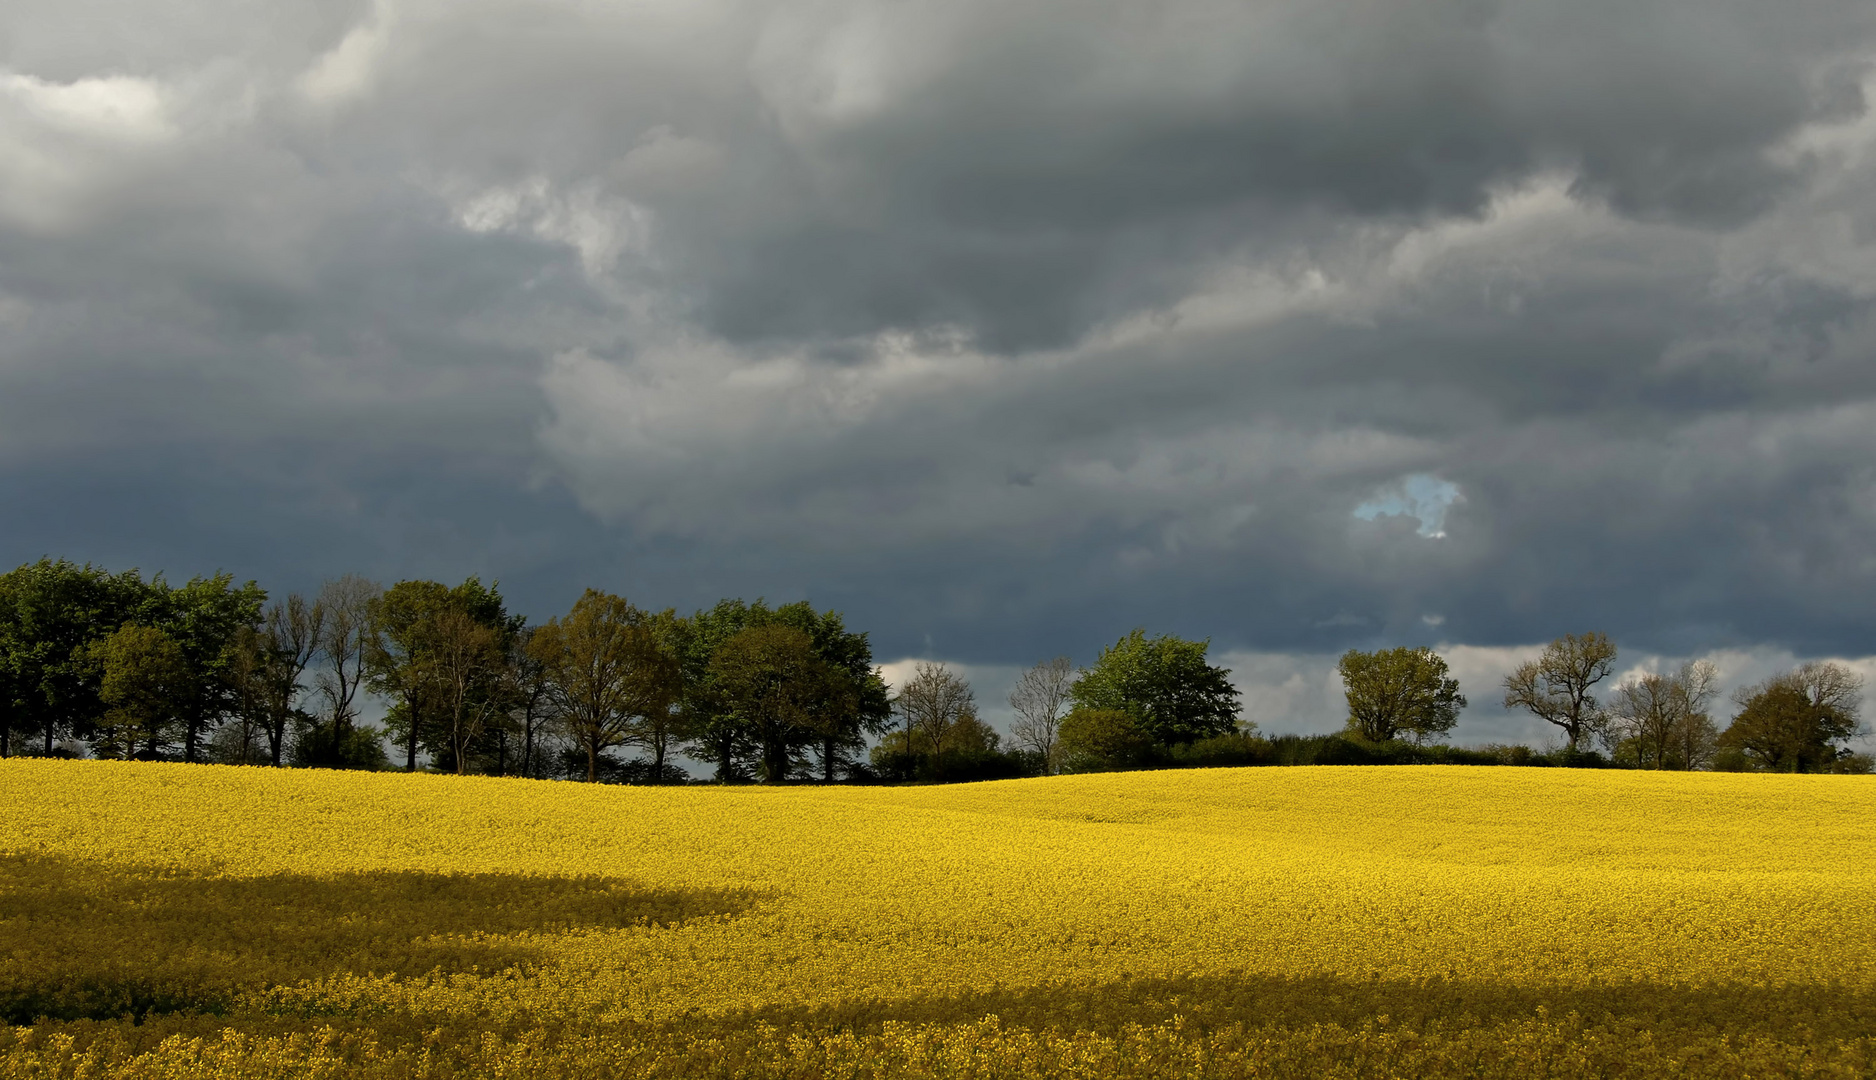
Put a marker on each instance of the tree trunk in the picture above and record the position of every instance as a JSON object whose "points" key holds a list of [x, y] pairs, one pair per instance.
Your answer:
{"points": [[657, 759], [592, 763], [827, 761], [48, 736], [410, 749]]}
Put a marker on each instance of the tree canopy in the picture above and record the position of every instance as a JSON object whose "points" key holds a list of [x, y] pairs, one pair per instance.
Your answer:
{"points": [[1399, 692], [1165, 683]]}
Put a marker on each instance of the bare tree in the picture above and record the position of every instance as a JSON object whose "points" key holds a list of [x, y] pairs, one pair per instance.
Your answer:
{"points": [[1040, 699], [1662, 719], [343, 645], [530, 704], [290, 637], [933, 700], [1555, 686]]}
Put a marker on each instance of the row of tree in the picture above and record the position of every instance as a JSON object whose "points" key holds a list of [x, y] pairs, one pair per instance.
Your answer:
{"points": [[209, 670], [1797, 721]]}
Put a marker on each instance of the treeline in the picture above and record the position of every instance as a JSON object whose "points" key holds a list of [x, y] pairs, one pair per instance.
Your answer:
{"points": [[117, 666], [1797, 721]]}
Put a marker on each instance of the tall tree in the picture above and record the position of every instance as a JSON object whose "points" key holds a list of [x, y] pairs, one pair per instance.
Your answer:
{"points": [[403, 625], [605, 670], [530, 706], [714, 730], [1040, 700], [1166, 683], [289, 638], [348, 603], [149, 685], [50, 611], [467, 663], [1659, 720], [772, 681], [934, 701], [1795, 722], [1395, 692], [1555, 687], [402, 663], [204, 618]]}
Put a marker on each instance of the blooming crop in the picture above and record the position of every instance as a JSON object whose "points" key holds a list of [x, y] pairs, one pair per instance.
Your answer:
{"points": [[1220, 922]]}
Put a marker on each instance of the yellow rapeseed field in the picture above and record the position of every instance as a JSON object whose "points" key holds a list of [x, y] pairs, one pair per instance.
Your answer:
{"points": [[169, 920]]}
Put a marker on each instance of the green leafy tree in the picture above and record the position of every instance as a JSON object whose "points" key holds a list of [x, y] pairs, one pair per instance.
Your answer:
{"points": [[1555, 687], [50, 612], [773, 682], [1095, 740], [205, 617], [843, 719], [606, 669], [1795, 722], [433, 698], [1165, 683], [148, 683], [467, 661], [1396, 692]]}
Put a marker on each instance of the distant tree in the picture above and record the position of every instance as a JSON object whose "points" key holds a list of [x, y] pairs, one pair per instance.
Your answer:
{"points": [[1040, 698], [348, 603], [1795, 721], [403, 629], [403, 665], [469, 672], [147, 682], [286, 643], [1166, 683], [245, 670], [1555, 687], [773, 682], [934, 701], [1660, 721], [1093, 740], [715, 732], [204, 617], [605, 670], [1396, 692], [50, 612], [530, 706]]}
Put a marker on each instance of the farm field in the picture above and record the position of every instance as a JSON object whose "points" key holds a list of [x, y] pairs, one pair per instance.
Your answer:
{"points": [[168, 920]]}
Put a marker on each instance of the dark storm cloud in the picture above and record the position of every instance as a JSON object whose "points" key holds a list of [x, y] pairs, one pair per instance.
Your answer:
{"points": [[1004, 327]]}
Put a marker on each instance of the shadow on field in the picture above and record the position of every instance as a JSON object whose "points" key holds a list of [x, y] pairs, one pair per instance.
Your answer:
{"points": [[83, 939]]}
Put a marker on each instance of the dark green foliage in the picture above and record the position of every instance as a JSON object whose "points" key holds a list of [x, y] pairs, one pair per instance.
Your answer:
{"points": [[1101, 740], [54, 615], [50, 612], [1782, 730], [718, 734], [1395, 692], [1165, 683], [361, 746]]}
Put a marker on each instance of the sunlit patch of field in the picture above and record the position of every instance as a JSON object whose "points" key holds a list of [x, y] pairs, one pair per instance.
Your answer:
{"points": [[163, 920]]}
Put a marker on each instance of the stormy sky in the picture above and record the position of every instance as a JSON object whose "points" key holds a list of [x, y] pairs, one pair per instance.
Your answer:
{"points": [[1003, 326]]}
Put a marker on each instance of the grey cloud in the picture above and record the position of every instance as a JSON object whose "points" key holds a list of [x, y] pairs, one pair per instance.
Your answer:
{"points": [[1003, 327]]}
